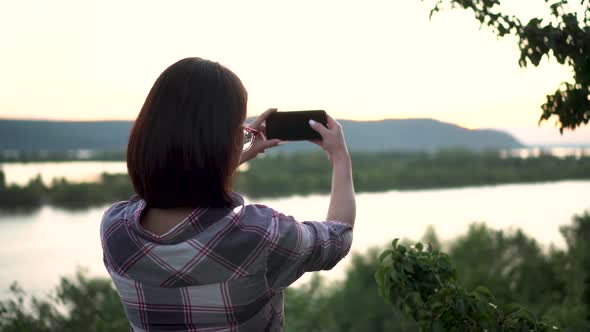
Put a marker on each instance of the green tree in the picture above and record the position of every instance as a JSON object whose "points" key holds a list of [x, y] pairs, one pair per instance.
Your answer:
{"points": [[577, 261], [515, 268], [553, 285], [423, 284], [349, 305], [23, 198], [79, 304], [564, 36]]}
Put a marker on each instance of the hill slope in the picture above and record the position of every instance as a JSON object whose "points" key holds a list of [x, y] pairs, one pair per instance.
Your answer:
{"points": [[403, 134], [35, 135]]}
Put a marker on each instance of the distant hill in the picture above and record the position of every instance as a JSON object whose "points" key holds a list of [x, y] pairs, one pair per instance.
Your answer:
{"points": [[26, 135], [420, 135], [384, 135]]}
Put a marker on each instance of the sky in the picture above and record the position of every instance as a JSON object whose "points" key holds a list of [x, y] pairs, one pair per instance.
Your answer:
{"points": [[360, 60]]}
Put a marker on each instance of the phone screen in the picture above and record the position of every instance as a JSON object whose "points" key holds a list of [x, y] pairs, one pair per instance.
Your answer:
{"points": [[294, 126]]}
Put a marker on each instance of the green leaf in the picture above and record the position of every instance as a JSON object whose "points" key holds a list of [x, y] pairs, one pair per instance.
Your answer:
{"points": [[419, 246], [379, 279], [401, 249], [437, 326], [384, 254], [409, 267]]}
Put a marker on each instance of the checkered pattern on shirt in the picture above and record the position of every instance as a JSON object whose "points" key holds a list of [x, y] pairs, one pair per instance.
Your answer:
{"points": [[217, 270]]}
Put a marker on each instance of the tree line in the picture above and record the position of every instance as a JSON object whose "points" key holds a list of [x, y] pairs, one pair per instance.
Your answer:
{"points": [[278, 175]]}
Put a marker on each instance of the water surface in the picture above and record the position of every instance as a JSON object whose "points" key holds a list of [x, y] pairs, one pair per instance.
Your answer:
{"points": [[36, 249]]}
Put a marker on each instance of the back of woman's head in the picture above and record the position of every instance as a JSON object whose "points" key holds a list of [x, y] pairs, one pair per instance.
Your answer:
{"points": [[186, 141]]}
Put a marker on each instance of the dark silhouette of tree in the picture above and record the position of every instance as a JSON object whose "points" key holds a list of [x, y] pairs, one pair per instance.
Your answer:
{"points": [[565, 36]]}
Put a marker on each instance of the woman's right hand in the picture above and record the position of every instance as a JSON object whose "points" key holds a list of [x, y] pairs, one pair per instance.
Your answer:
{"points": [[342, 202], [332, 140]]}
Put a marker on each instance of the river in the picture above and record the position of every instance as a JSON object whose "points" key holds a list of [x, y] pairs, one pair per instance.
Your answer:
{"points": [[40, 247]]}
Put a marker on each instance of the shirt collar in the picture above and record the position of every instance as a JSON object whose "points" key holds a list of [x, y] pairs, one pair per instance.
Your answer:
{"points": [[197, 221]]}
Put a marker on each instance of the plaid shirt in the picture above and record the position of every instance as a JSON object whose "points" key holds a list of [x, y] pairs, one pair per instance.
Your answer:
{"points": [[220, 269]]}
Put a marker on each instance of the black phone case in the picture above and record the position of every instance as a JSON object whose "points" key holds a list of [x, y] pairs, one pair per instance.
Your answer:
{"points": [[294, 126]]}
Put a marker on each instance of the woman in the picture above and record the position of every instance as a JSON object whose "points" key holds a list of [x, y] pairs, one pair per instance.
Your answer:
{"points": [[185, 253]]}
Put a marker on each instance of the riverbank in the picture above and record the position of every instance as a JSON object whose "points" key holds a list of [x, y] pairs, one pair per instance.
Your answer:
{"points": [[309, 173]]}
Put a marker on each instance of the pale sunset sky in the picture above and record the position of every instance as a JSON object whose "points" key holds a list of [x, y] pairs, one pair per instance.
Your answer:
{"points": [[360, 60]]}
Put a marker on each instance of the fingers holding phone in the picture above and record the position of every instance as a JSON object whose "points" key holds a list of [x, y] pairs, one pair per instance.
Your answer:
{"points": [[261, 119], [260, 143], [332, 141], [342, 201], [314, 126]]}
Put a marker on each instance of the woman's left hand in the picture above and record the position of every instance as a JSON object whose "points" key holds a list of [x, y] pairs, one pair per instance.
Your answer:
{"points": [[260, 142]]}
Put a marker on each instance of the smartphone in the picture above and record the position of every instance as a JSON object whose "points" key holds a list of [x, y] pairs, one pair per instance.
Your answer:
{"points": [[294, 126]]}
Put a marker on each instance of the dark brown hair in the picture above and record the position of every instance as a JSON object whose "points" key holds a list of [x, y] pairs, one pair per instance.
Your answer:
{"points": [[185, 142]]}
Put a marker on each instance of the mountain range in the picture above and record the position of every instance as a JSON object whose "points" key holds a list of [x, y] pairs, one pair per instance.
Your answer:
{"points": [[383, 135]]}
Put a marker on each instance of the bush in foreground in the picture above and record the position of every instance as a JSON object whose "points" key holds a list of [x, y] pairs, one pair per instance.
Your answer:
{"points": [[423, 284]]}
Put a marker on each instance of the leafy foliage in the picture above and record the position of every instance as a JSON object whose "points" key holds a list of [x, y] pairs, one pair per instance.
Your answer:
{"points": [[306, 173], [565, 37], [423, 284], [348, 305], [110, 188], [577, 263], [515, 266], [27, 198], [79, 304], [510, 264]]}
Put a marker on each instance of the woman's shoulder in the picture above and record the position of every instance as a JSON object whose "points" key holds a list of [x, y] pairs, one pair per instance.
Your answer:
{"points": [[267, 218], [258, 213], [117, 213]]}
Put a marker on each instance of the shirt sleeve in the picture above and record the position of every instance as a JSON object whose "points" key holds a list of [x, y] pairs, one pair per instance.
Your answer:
{"points": [[299, 247]]}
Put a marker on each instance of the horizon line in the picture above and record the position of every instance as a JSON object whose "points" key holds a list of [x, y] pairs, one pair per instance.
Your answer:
{"points": [[250, 117]]}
